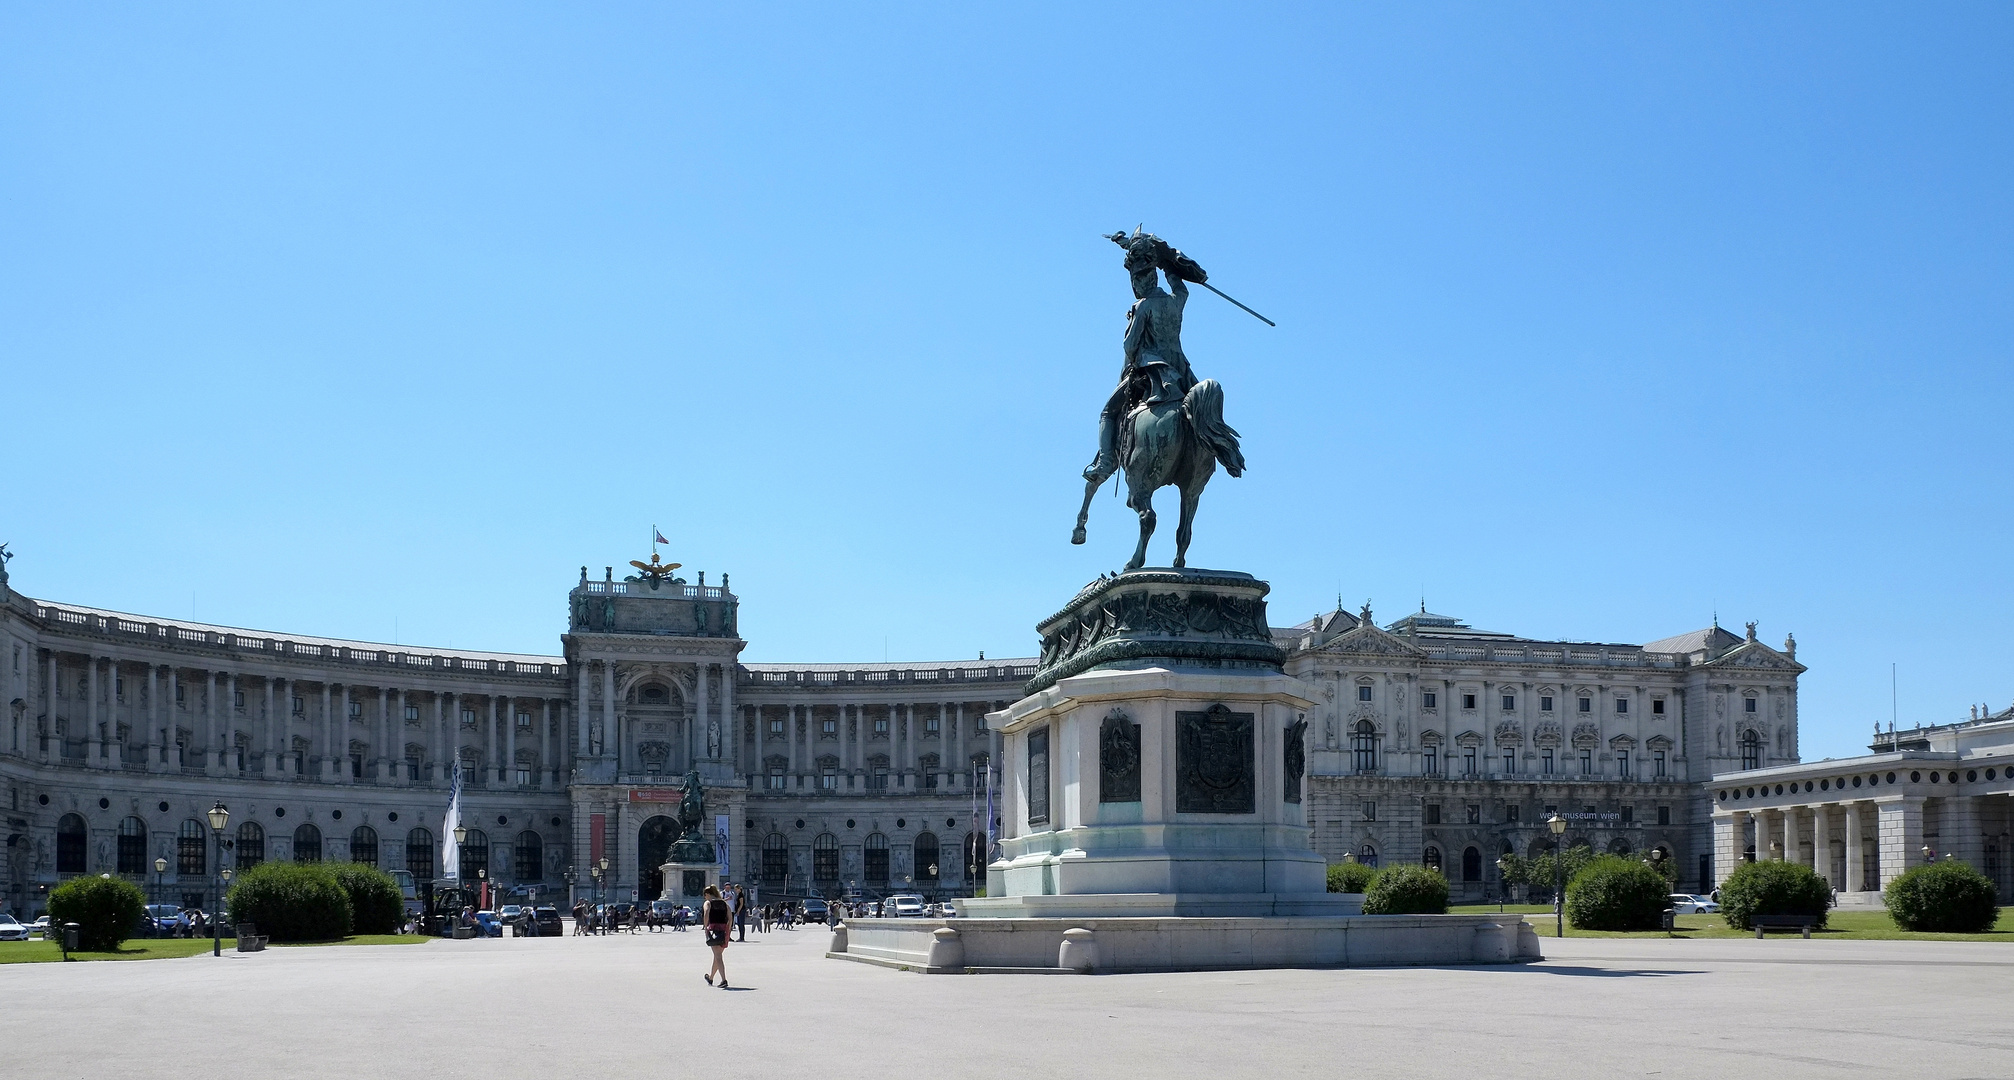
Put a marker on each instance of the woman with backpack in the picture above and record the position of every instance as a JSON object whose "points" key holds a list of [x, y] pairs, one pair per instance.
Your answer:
{"points": [[718, 919]]}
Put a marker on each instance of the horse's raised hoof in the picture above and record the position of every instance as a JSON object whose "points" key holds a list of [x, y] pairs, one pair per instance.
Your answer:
{"points": [[1077, 537], [1180, 562]]}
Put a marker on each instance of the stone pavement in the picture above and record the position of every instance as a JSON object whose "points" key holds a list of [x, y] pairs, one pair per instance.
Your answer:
{"points": [[634, 1006]]}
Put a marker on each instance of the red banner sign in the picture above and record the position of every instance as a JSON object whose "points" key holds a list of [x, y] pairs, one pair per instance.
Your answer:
{"points": [[653, 794]]}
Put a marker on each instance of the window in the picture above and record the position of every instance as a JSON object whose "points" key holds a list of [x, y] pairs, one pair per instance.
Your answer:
{"points": [[1629, 815], [300, 706], [1368, 855], [356, 765], [468, 718], [1510, 702], [1545, 703], [70, 841], [1428, 700], [356, 709], [1664, 815], [528, 857], [475, 855], [308, 844], [132, 846], [1472, 864], [119, 690], [776, 726], [825, 858], [1475, 812], [1370, 811], [1468, 701], [182, 696], [421, 860], [1468, 761], [364, 845], [1621, 705], [775, 859], [1363, 693], [1545, 761], [1364, 746], [414, 765], [1657, 762], [828, 778], [925, 856], [412, 713], [828, 727], [1587, 763], [238, 700], [192, 846], [928, 767], [877, 777], [523, 776], [251, 845], [1657, 706], [1748, 704], [1751, 749], [1433, 813], [931, 725], [1431, 858], [1586, 704], [776, 781], [881, 725], [1433, 761], [1622, 763], [1510, 761], [1511, 813]]}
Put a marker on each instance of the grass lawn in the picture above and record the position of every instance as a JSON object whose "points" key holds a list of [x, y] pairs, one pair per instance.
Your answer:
{"points": [[1841, 925], [42, 952]]}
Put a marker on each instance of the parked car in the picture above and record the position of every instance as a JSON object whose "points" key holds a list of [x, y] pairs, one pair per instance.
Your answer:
{"points": [[11, 928], [815, 910], [167, 919], [903, 906], [537, 922], [40, 927], [1693, 904], [509, 913], [488, 925], [664, 909]]}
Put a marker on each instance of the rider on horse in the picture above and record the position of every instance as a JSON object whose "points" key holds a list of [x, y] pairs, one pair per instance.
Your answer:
{"points": [[1155, 369]]}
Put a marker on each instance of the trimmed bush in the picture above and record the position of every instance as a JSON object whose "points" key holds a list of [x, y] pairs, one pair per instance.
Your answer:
{"points": [[105, 909], [1946, 897], [376, 904], [1351, 876], [291, 902], [1407, 889], [1773, 888], [1614, 893]]}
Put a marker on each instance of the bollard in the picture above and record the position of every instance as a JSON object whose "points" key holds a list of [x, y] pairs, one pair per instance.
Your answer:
{"points": [[1078, 953], [838, 938], [946, 950]]}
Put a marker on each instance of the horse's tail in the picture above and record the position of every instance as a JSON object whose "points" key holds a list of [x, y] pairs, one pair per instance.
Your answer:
{"points": [[1204, 406]]}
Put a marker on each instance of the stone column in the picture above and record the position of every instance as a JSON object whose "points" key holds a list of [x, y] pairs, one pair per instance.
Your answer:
{"points": [[157, 753], [510, 742], [761, 767], [209, 747], [383, 736], [115, 747], [548, 737], [1821, 843], [49, 688], [961, 759], [1727, 835], [790, 770], [581, 674], [279, 726], [1901, 843], [609, 745], [445, 728], [327, 769], [1793, 836], [490, 771], [730, 724], [1856, 875], [94, 747], [1959, 832], [695, 736]]}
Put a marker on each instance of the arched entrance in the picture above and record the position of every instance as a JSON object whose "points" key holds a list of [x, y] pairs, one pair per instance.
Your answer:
{"points": [[653, 847]]}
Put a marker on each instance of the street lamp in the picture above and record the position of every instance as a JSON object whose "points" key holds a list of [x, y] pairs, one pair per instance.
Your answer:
{"points": [[1503, 881], [160, 868], [483, 888], [220, 816], [1557, 823]]}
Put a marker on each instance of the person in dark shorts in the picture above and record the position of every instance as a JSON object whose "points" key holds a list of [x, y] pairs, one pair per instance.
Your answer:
{"points": [[718, 918]]}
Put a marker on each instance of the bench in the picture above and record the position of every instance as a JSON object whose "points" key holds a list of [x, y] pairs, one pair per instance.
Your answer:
{"points": [[1783, 922], [249, 938]]}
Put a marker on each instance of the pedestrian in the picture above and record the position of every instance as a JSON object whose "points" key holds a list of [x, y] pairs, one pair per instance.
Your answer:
{"points": [[718, 918]]}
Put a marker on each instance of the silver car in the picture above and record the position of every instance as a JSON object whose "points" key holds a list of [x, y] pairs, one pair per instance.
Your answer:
{"points": [[1693, 904], [11, 928]]}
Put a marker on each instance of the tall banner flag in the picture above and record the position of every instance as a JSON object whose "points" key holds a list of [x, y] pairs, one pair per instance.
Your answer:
{"points": [[451, 854], [721, 832], [989, 812]]}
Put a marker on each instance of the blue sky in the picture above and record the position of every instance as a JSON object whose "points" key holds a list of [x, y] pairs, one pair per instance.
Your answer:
{"points": [[378, 321]]}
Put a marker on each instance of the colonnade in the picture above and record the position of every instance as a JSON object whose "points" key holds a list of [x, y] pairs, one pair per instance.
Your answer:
{"points": [[1876, 839], [794, 750]]}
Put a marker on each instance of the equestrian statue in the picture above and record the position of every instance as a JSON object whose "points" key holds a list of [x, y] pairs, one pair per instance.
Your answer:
{"points": [[1160, 425]]}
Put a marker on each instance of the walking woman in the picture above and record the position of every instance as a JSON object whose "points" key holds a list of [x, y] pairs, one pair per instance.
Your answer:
{"points": [[718, 918]]}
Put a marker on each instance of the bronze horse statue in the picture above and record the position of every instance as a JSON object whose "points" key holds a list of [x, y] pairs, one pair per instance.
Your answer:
{"points": [[1177, 443]]}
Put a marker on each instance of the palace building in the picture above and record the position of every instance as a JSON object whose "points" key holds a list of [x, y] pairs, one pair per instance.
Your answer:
{"points": [[1434, 742]]}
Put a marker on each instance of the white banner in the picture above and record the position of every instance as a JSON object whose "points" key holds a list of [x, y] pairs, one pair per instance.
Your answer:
{"points": [[451, 854]]}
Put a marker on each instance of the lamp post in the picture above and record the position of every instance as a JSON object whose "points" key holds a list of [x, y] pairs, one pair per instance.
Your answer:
{"points": [[483, 889], [1557, 823], [160, 868], [220, 816], [1503, 881], [570, 879]]}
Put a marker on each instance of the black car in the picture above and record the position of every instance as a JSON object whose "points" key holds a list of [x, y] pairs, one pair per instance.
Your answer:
{"points": [[816, 911], [539, 922]]}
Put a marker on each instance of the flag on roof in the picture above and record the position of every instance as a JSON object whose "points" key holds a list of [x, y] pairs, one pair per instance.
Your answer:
{"points": [[657, 537]]}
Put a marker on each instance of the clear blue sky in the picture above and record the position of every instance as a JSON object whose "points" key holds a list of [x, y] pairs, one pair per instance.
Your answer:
{"points": [[381, 321]]}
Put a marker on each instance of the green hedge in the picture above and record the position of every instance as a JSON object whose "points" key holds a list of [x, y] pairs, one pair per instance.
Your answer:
{"points": [[376, 904], [1944, 897], [1407, 889], [1614, 893], [105, 909], [1351, 877], [292, 902], [1773, 888]]}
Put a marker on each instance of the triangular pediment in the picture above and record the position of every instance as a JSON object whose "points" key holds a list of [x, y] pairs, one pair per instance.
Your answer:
{"points": [[1755, 656], [1368, 640]]}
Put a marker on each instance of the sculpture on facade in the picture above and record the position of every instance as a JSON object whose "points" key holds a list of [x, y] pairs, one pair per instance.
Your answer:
{"points": [[1160, 425]]}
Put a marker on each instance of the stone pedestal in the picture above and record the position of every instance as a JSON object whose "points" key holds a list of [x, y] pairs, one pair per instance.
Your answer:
{"points": [[676, 881]]}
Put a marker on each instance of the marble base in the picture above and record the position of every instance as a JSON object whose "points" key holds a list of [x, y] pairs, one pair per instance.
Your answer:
{"points": [[1161, 905], [1103, 946]]}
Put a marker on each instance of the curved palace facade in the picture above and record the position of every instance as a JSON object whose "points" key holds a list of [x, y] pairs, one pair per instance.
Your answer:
{"points": [[1435, 742]]}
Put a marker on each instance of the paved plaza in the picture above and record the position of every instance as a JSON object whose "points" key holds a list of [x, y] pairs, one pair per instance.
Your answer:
{"points": [[635, 1006]]}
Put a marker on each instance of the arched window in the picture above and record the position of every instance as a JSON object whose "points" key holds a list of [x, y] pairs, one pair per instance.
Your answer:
{"points": [[1751, 750], [925, 849], [421, 859], [251, 845], [528, 857], [475, 855], [364, 845], [132, 846], [70, 841], [1472, 864], [775, 859], [307, 844], [825, 859], [875, 856], [192, 846], [1432, 858], [1364, 741], [1367, 855]]}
